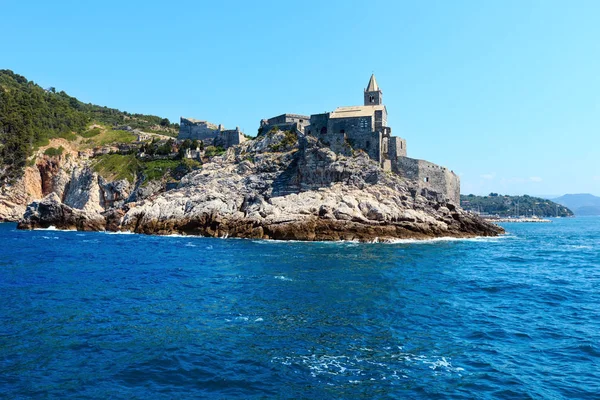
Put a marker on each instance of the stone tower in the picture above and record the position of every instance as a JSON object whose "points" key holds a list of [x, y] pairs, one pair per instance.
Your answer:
{"points": [[373, 95]]}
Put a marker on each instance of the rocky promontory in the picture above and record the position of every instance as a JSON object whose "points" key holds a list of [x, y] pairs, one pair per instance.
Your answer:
{"points": [[276, 186]]}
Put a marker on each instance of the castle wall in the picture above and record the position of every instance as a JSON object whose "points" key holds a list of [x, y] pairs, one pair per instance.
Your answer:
{"points": [[359, 134], [230, 137], [396, 147], [200, 130], [430, 176], [288, 121], [318, 125], [283, 118]]}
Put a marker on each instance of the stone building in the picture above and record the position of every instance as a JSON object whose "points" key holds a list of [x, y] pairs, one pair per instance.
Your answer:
{"points": [[210, 134], [285, 122], [360, 127], [365, 128]]}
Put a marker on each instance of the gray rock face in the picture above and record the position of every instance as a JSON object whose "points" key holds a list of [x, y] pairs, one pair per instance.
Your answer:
{"points": [[309, 193], [145, 189], [50, 211], [84, 192], [302, 192], [114, 193]]}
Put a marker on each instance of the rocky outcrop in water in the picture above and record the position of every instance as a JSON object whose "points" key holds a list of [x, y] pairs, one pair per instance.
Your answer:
{"points": [[303, 191]]}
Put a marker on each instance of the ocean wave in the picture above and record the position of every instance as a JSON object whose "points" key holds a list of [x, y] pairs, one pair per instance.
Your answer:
{"points": [[54, 228], [370, 366]]}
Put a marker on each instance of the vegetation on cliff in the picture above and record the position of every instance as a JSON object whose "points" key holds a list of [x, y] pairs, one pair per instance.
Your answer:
{"points": [[512, 206], [126, 166], [31, 115]]}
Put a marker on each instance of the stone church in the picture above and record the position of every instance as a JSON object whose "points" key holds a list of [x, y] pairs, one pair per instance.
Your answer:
{"points": [[365, 128]]}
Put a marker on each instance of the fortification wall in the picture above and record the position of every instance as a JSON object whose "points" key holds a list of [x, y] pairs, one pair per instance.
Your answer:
{"points": [[230, 137], [359, 134], [430, 176], [396, 147], [200, 130]]}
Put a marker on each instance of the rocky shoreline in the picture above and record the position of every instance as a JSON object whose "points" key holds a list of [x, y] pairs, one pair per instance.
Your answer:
{"points": [[302, 191]]}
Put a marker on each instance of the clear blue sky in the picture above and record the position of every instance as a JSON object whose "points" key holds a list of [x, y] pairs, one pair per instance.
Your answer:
{"points": [[505, 93]]}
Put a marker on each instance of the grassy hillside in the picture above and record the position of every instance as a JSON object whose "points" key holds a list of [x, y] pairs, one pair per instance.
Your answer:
{"points": [[506, 206], [119, 166], [31, 115]]}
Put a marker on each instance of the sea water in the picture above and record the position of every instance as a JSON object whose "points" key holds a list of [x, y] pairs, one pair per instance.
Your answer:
{"points": [[97, 315]]}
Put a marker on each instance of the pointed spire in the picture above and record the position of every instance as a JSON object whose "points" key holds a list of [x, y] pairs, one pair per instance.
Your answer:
{"points": [[372, 86]]}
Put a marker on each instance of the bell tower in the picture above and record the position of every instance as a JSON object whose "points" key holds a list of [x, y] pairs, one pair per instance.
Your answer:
{"points": [[373, 95]]}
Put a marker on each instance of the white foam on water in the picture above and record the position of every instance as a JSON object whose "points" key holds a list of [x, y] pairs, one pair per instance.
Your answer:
{"points": [[352, 243], [259, 319], [119, 233], [449, 239], [54, 228], [369, 366], [283, 278], [189, 244], [579, 247], [50, 228], [50, 237]]}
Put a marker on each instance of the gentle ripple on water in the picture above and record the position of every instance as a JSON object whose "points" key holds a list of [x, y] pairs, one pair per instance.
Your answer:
{"points": [[95, 315]]}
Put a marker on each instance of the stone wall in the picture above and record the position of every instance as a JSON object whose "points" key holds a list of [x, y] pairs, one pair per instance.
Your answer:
{"points": [[286, 122], [198, 130], [359, 134], [230, 137], [430, 176], [318, 125], [396, 147]]}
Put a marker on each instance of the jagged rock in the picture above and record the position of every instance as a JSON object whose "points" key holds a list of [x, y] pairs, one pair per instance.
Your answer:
{"points": [[84, 192], [114, 193], [113, 219], [302, 191], [14, 198], [309, 193], [50, 211], [145, 189]]}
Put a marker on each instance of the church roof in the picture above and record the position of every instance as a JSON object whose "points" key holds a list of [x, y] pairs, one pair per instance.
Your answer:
{"points": [[356, 111], [372, 86]]}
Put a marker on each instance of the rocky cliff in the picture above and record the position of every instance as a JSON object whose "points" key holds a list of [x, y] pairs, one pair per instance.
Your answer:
{"points": [[301, 191], [69, 182]]}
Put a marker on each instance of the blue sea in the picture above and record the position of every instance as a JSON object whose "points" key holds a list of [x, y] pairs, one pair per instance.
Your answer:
{"points": [[116, 316]]}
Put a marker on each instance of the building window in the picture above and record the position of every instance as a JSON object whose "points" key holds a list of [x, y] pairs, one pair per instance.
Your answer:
{"points": [[323, 130], [342, 131], [425, 179], [372, 99], [368, 144]]}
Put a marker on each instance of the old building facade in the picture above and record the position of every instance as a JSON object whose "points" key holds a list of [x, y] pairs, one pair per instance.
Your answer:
{"points": [[210, 134]]}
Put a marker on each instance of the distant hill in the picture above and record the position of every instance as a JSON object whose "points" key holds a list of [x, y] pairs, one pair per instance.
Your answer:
{"points": [[581, 204], [511, 206], [31, 115]]}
